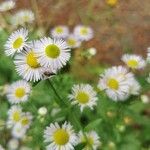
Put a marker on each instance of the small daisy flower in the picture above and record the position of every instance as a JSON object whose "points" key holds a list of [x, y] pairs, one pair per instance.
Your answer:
{"points": [[116, 82], [73, 42], [27, 64], [14, 114], [83, 95], [26, 120], [7, 5], [60, 32], [92, 140], [18, 131], [18, 92], [16, 42], [42, 111], [60, 137], [133, 61], [52, 54], [84, 33], [22, 17], [13, 144], [134, 87]]}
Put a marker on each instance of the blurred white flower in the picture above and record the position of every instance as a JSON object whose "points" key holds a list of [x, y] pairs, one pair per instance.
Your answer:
{"points": [[42, 111], [60, 137], [133, 61], [92, 51], [83, 33], [135, 87], [83, 95], [145, 99], [22, 17], [16, 42], [13, 144], [1, 147], [7, 5], [92, 140], [18, 92], [60, 32]]}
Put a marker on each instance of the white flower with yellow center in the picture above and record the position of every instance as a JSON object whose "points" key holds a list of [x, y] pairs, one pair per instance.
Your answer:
{"points": [[26, 120], [60, 137], [52, 54], [14, 114], [133, 61], [83, 95], [18, 92], [73, 42], [27, 64], [22, 17], [83, 33], [60, 32], [18, 131], [116, 82], [16, 42], [7, 5], [90, 139]]}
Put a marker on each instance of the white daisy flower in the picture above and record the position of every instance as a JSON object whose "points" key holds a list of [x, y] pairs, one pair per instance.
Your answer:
{"points": [[134, 87], [26, 120], [83, 95], [18, 92], [27, 65], [133, 61], [16, 42], [53, 54], [72, 41], [14, 114], [92, 140], [42, 111], [22, 17], [18, 131], [116, 82], [7, 5], [13, 144], [84, 33], [60, 32], [60, 137]]}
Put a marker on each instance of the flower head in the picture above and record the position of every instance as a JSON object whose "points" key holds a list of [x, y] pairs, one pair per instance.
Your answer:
{"points": [[60, 137], [16, 42], [7, 5], [83, 95]]}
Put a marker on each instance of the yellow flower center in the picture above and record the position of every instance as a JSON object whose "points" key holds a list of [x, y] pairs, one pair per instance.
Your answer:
{"points": [[132, 63], [25, 121], [20, 92], [61, 137], [82, 97], [52, 51], [111, 2], [89, 141], [113, 84], [16, 116], [84, 31], [59, 30], [32, 60], [18, 43], [71, 42]]}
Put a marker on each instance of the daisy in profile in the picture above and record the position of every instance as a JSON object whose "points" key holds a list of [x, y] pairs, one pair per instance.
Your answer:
{"points": [[52, 54], [26, 120], [135, 87], [22, 17], [60, 137], [83, 95], [16, 42], [18, 92], [72, 41], [27, 64], [14, 114], [18, 131], [7, 5], [60, 32], [92, 140], [133, 61], [116, 82], [84, 33]]}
